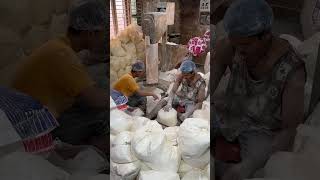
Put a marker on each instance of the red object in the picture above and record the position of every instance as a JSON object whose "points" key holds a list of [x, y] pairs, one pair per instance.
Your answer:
{"points": [[181, 109], [39, 144], [123, 107], [226, 151]]}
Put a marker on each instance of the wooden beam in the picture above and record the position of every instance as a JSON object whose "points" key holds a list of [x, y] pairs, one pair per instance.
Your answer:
{"points": [[127, 11], [152, 62], [114, 16]]}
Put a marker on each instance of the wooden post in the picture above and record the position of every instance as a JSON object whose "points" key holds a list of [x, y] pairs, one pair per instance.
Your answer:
{"points": [[114, 16], [151, 61]]}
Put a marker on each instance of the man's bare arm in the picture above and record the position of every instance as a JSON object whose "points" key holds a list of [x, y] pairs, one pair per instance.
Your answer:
{"points": [[221, 59], [292, 111]]}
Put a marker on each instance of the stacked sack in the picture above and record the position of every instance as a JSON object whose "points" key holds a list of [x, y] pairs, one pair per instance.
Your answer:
{"points": [[194, 144], [302, 163], [125, 48], [141, 149]]}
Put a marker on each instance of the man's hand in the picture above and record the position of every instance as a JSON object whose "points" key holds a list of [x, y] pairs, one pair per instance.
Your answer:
{"points": [[155, 97]]}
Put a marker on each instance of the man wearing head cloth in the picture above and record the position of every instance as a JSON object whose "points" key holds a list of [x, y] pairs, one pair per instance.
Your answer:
{"points": [[53, 75], [128, 87], [191, 95], [265, 95]]}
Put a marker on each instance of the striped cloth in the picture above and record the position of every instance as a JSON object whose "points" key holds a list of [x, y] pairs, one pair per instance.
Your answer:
{"points": [[25, 119]]}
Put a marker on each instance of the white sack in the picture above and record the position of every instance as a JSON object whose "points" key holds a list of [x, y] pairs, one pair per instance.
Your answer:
{"points": [[202, 114], [292, 166], [112, 103], [194, 136], [208, 171], [139, 122], [199, 162], [145, 167], [148, 141], [172, 134], [307, 139], [127, 171], [87, 162], [184, 168], [120, 151], [112, 137], [119, 121], [137, 112], [20, 166], [158, 175], [195, 174], [167, 118], [167, 160]]}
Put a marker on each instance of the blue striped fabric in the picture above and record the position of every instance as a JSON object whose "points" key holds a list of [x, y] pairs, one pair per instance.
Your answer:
{"points": [[118, 98], [28, 117]]}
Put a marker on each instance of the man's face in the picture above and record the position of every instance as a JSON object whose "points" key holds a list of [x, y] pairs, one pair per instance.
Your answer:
{"points": [[140, 74], [188, 76], [250, 49]]}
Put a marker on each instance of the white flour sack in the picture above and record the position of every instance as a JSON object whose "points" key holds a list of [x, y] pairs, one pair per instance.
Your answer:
{"points": [[200, 161], [167, 160], [202, 114], [127, 171], [139, 122], [112, 137], [208, 171], [194, 136], [22, 166], [112, 103], [119, 121], [121, 149], [147, 142], [195, 174], [292, 166], [184, 168], [137, 112], [158, 175], [167, 118], [172, 134]]}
